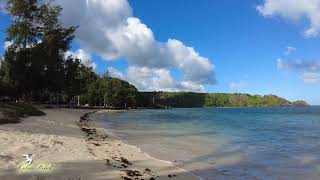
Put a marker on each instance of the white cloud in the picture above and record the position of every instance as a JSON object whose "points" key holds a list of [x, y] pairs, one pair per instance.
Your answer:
{"points": [[311, 78], [310, 69], [195, 68], [289, 50], [7, 44], [115, 73], [304, 65], [154, 79], [84, 57], [295, 10], [108, 28]]}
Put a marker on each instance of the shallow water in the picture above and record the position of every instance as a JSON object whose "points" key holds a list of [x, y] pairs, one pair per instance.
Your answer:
{"points": [[227, 143]]}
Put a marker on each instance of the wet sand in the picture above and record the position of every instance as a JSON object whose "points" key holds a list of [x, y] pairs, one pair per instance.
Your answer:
{"points": [[77, 150]]}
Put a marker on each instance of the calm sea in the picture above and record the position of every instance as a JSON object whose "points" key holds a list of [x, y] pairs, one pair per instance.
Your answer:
{"points": [[227, 143]]}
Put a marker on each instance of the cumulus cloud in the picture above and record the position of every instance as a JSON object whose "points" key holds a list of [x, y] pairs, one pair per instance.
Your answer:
{"points": [[310, 69], [108, 28], [154, 79], [295, 10], [311, 78], [84, 57], [303, 65]]}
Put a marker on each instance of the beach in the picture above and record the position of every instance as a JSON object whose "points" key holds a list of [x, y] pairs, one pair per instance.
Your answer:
{"points": [[75, 148]]}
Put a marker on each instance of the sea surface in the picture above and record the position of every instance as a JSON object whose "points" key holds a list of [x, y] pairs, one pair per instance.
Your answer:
{"points": [[227, 143]]}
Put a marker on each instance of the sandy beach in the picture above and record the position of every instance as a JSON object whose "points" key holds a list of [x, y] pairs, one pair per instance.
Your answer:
{"points": [[69, 141]]}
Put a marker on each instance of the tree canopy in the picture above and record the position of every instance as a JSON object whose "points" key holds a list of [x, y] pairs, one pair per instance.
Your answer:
{"points": [[35, 67], [34, 63], [113, 92], [191, 99]]}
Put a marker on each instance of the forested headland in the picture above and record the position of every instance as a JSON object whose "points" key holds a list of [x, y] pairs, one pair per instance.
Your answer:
{"points": [[191, 99], [36, 69]]}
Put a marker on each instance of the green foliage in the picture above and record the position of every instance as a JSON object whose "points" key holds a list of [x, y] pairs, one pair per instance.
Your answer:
{"points": [[190, 99], [34, 63], [299, 103], [244, 100], [21, 109], [35, 67], [182, 99], [12, 112], [78, 78], [113, 92]]}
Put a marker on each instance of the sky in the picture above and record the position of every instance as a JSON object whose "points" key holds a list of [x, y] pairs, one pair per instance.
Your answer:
{"points": [[253, 46]]}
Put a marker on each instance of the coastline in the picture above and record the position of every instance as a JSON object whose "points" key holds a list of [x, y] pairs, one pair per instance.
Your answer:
{"points": [[55, 138], [110, 134]]}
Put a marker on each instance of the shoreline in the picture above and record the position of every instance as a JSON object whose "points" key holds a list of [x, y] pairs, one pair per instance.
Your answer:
{"points": [[109, 133], [140, 150], [55, 138], [94, 126]]}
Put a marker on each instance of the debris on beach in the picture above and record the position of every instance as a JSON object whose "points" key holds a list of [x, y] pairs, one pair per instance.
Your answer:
{"points": [[124, 160], [117, 160], [132, 173], [171, 176]]}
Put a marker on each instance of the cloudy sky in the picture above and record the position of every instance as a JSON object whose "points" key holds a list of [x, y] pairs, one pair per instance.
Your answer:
{"points": [[252, 46]]}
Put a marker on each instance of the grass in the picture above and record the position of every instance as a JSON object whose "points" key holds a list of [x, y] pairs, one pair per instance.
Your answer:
{"points": [[13, 112]]}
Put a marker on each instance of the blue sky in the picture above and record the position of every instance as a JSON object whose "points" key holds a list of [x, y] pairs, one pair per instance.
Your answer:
{"points": [[241, 42]]}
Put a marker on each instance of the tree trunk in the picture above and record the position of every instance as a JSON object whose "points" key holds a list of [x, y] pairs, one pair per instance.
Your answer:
{"points": [[78, 100]]}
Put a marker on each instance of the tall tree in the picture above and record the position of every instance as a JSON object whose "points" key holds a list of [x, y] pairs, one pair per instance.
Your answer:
{"points": [[113, 92], [34, 63]]}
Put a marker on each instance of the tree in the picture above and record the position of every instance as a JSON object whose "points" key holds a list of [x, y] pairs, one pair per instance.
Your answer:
{"points": [[78, 79], [34, 63], [87, 77], [72, 79], [6, 72], [113, 92], [36, 68]]}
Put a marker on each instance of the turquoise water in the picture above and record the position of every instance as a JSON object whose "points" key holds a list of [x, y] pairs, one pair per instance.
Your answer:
{"points": [[227, 143]]}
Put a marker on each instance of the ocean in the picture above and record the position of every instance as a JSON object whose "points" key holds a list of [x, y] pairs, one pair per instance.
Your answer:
{"points": [[227, 143]]}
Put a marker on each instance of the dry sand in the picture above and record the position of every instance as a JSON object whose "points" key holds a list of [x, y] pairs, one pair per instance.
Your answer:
{"points": [[87, 154]]}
